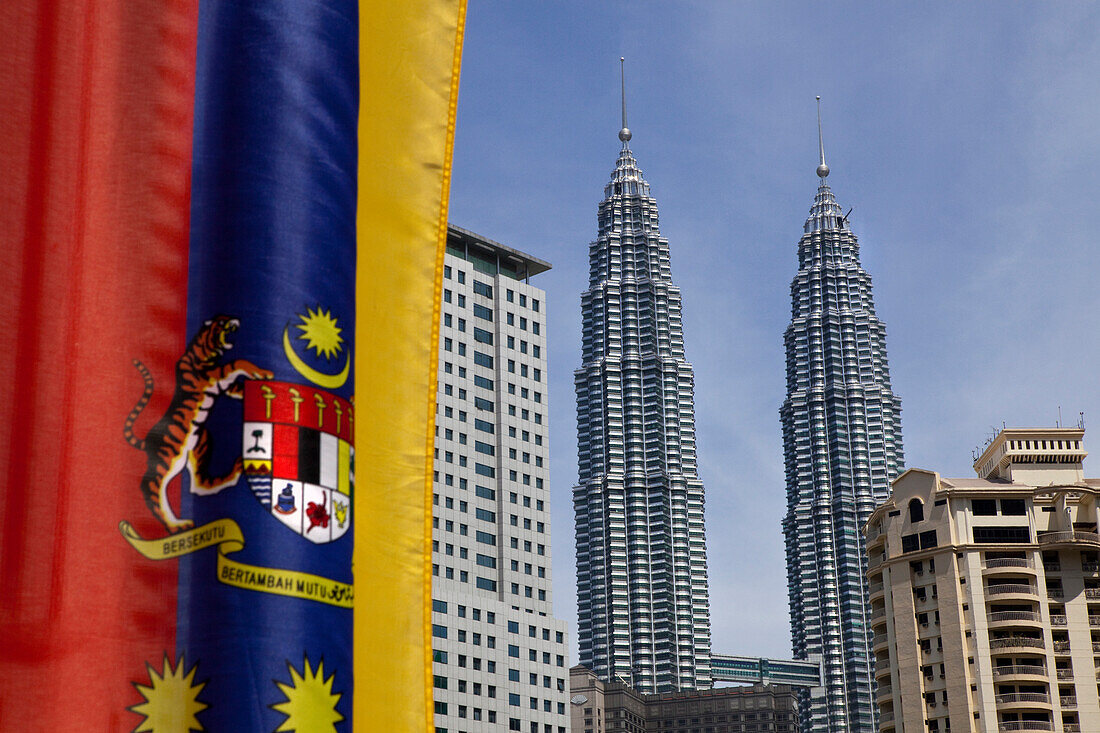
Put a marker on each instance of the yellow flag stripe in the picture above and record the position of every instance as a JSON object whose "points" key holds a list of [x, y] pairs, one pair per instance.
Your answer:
{"points": [[410, 53]]}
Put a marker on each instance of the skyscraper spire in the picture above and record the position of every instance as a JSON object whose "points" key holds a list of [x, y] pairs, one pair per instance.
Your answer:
{"points": [[624, 133], [822, 169], [842, 447]]}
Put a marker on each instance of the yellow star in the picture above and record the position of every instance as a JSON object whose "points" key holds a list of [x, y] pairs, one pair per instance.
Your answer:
{"points": [[320, 331], [171, 700], [310, 705]]}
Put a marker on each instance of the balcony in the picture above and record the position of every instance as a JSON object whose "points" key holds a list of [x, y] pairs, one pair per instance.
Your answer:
{"points": [[884, 691], [1090, 567], [1019, 670], [1094, 620], [1092, 593], [1069, 537], [1067, 701], [1061, 646], [1025, 725], [1052, 567], [1023, 699], [1009, 617], [1064, 674], [1010, 588], [1058, 620], [1016, 642], [1008, 562]]}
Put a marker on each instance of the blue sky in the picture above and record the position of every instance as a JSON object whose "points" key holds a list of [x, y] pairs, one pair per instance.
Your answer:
{"points": [[965, 135]]}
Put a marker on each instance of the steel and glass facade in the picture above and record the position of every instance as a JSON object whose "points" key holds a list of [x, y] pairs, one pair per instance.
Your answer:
{"points": [[842, 447], [641, 552]]}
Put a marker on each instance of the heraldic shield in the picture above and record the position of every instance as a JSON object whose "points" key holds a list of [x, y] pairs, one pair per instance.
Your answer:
{"points": [[298, 456]]}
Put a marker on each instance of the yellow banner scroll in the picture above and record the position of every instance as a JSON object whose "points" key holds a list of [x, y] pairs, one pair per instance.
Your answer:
{"points": [[225, 534]]}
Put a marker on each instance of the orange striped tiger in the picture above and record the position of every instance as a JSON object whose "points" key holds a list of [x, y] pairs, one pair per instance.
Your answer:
{"points": [[179, 439]]}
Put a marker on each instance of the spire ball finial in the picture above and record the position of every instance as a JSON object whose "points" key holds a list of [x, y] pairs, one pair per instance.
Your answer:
{"points": [[624, 133]]}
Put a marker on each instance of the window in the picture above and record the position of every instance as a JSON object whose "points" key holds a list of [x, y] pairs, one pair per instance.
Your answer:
{"points": [[482, 312], [483, 359], [984, 507], [484, 425], [485, 515], [486, 583], [483, 382], [486, 538], [439, 606], [513, 674], [483, 404], [1002, 534], [1013, 507], [483, 289], [440, 631], [916, 510], [484, 448], [513, 699], [482, 336], [513, 650]]}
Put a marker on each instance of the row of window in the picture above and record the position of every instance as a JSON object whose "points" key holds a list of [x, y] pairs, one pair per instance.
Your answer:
{"points": [[486, 313], [485, 289], [484, 359]]}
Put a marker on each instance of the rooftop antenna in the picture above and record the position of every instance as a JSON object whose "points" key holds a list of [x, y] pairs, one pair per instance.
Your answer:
{"points": [[624, 134], [1059, 416], [822, 170]]}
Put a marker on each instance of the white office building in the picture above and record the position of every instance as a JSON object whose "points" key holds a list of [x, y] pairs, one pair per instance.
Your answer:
{"points": [[499, 654]]}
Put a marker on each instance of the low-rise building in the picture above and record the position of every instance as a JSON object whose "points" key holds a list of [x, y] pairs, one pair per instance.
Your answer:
{"points": [[985, 592], [615, 707]]}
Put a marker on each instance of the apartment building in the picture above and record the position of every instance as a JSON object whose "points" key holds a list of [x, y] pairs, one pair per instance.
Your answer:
{"points": [[985, 592]]}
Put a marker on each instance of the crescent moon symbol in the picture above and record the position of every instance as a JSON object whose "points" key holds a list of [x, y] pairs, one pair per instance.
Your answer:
{"points": [[330, 381]]}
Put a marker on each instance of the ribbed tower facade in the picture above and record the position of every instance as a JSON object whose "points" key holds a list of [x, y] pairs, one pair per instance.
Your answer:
{"points": [[842, 447], [641, 552]]}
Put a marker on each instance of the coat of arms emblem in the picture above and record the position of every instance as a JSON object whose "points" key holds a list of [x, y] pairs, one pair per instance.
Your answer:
{"points": [[298, 455]]}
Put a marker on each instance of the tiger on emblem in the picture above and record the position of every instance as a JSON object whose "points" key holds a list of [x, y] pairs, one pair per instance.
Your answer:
{"points": [[179, 440]]}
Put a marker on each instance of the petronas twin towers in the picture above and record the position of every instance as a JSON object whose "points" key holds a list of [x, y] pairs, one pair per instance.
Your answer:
{"points": [[841, 448], [641, 553]]}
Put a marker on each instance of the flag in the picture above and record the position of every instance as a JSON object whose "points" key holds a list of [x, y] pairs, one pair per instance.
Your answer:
{"points": [[207, 207]]}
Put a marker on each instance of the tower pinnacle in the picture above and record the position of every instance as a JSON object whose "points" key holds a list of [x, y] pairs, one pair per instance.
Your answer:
{"points": [[624, 134], [822, 169]]}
